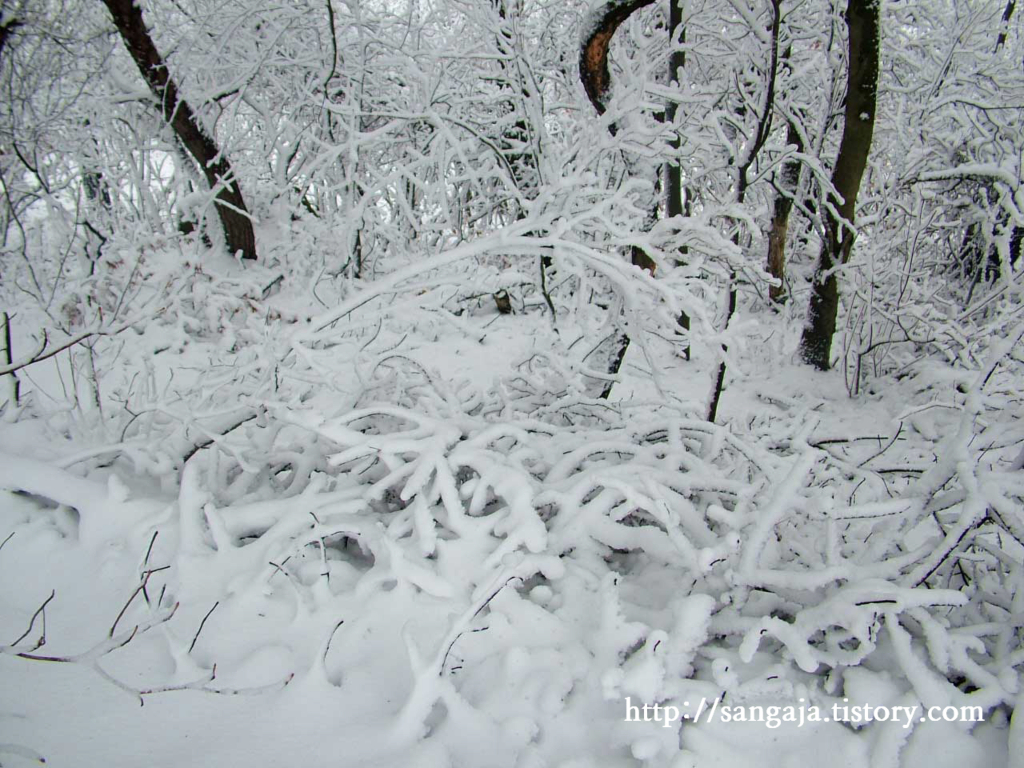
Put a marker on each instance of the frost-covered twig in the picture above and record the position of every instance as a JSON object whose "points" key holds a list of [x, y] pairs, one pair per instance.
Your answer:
{"points": [[40, 612]]}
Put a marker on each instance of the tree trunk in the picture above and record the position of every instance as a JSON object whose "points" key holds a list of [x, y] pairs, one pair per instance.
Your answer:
{"points": [[788, 185], [599, 26], [1007, 15], [764, 128], [862, 80], [673, 173], [231, 209], [518, 143]]}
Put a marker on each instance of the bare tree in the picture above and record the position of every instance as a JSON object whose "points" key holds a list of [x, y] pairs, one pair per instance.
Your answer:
{"points": [[231, 209], [839, 210]]}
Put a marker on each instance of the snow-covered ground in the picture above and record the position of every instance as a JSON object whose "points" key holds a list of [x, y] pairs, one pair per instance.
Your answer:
{"points": [[447, 579]]}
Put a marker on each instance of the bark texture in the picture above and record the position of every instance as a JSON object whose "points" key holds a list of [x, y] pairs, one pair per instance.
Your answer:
{"points": [[789, 182], [601, 24], [231, 209], [862, 81]]}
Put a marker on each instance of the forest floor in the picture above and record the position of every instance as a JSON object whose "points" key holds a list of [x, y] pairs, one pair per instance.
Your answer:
{"points": [[409, 668]]}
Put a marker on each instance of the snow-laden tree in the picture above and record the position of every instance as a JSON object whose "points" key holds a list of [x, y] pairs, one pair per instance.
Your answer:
{"points": [[376, 466], [196, 139], [863, 32]]}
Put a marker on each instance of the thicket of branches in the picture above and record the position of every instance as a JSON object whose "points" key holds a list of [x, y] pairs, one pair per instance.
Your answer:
{"points": [[409, 166]]}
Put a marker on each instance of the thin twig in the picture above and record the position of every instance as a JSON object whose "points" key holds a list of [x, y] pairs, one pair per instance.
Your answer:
{"points": [[42, 353], [104, 647], [201, 625], [149, 551], [330, 637], [8, 356], [138, 589], [211, 440], [886, 448], [476, 613], [256, 690], [40, 611]]}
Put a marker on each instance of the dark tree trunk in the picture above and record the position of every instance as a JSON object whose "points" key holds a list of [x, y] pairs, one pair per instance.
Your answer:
{"points": [[673, 173], [862, 79], [1007, 15], [231, 209], [789, 182], [676, 61]]}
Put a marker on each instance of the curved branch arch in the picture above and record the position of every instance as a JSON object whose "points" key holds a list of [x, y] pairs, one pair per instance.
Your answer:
{"points": [[599, 27]]}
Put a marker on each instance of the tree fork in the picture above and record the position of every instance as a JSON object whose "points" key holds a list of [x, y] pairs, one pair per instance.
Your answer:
{"points": [[231, 209]]}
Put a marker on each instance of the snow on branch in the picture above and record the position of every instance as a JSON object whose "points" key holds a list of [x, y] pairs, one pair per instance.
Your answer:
{"points": [[599, 26]]}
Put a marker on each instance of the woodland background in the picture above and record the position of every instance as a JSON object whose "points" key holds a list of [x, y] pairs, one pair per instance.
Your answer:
{"points": [[385, 380]]}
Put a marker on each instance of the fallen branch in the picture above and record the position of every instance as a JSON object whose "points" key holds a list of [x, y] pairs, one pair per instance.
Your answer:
{"points": [[207, 442]]}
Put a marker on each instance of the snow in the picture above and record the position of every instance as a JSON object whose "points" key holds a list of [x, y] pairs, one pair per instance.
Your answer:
{"points": [[435, 588], [288, 514]]}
